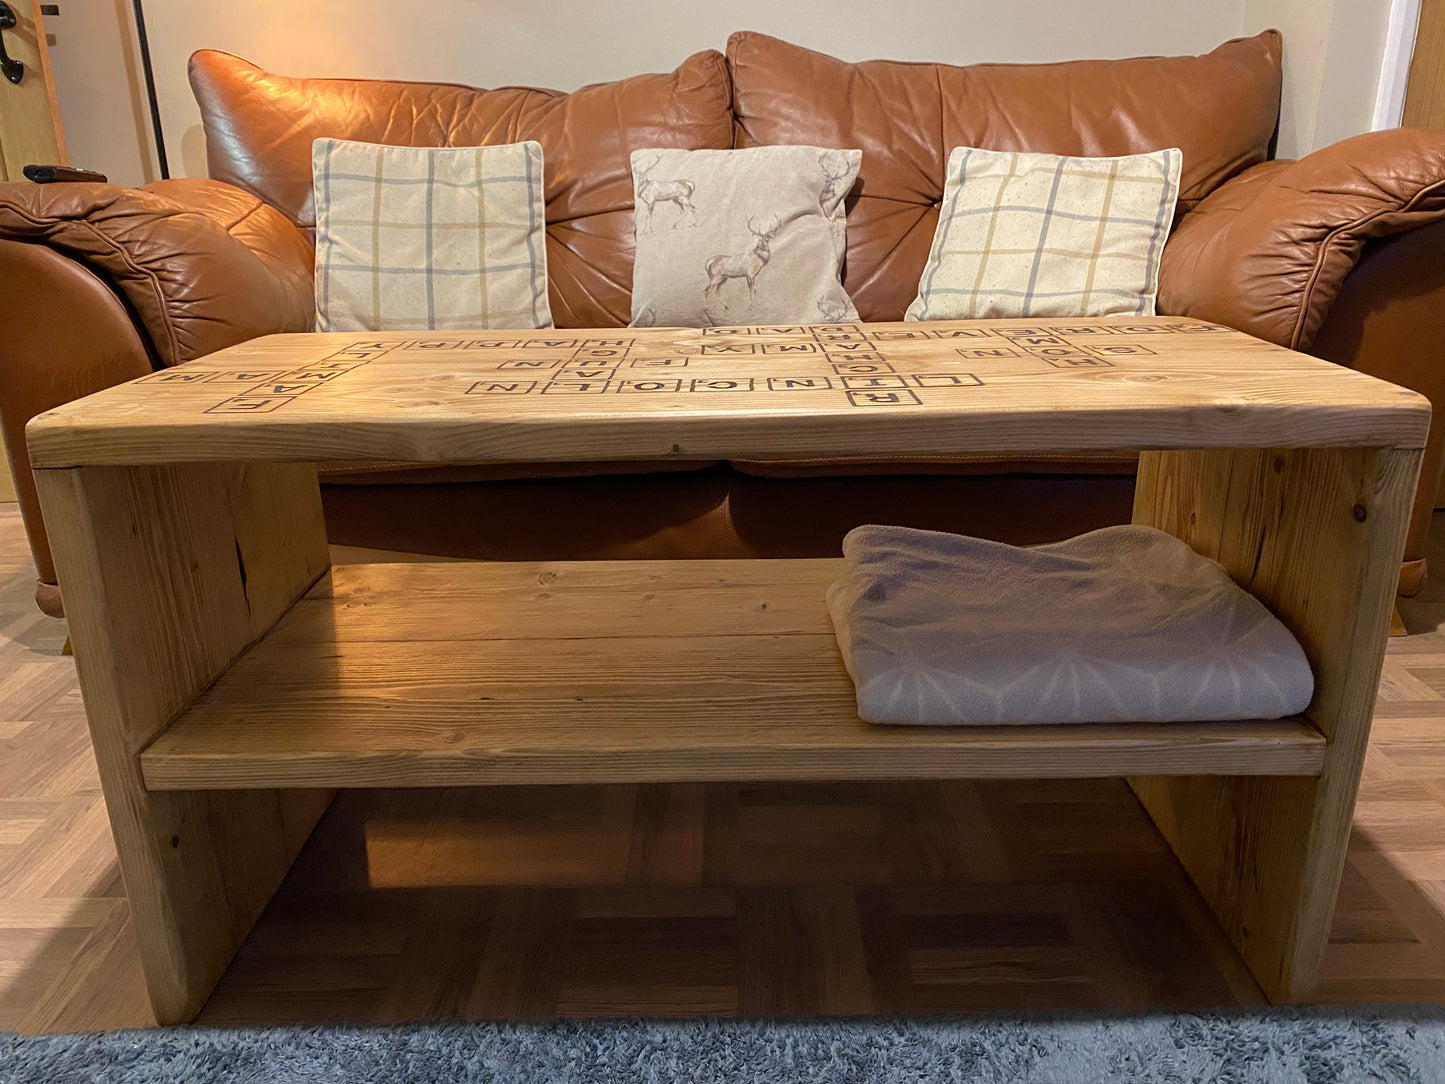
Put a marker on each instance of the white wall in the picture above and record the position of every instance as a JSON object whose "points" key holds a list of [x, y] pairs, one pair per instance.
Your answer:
{"points": [[1333, 53], [1351, 70], [1333, 49], [99, 89], [567, 43]]}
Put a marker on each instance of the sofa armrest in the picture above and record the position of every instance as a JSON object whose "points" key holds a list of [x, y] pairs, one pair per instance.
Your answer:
{"points": [[202, 264], [1266, 252]]}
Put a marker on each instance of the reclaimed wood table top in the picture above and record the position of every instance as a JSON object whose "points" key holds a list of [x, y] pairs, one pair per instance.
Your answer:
{"points": [[867, 390]]}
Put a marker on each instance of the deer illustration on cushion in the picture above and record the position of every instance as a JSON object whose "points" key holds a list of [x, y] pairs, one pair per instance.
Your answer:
{"points": [[677, 192], [790, 199], [836, 169], [836, 309], [745, 265]]}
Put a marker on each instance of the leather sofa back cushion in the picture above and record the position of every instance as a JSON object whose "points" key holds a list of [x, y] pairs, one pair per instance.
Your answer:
{"points": [[1220, 109], [259, 130]]}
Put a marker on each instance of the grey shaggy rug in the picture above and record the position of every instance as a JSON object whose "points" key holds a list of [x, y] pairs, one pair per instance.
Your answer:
{"points": [[1273, 1047]]}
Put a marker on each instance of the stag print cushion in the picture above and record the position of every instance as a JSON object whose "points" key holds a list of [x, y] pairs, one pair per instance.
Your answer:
{"points": [[1043, 235], [751, 236], [1125, 624], [426, 238]]}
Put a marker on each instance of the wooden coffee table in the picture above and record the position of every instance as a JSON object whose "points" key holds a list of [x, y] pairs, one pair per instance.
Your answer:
{"points": [[233, 681]]}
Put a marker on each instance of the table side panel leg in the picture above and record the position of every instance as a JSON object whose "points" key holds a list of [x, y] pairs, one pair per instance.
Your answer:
{"points": [[1317, 535], [170, 573]]}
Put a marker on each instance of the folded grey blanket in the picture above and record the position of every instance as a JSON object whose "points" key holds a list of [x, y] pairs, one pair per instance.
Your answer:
{"points": [[1125, 624]]}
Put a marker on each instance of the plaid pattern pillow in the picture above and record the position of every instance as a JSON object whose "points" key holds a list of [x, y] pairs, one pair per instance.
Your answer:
{"points": [[1045, 235], [427, 238]]}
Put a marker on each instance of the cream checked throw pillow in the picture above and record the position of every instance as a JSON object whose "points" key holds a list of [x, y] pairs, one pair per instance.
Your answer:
{"points": [[1044, 235], [426, 238], [753, 236]]}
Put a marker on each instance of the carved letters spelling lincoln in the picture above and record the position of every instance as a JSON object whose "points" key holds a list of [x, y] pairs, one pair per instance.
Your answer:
{"points": [[860, 365]]}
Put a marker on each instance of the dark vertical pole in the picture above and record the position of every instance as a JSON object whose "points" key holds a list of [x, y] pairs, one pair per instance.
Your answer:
{"points": [[145, 60]]}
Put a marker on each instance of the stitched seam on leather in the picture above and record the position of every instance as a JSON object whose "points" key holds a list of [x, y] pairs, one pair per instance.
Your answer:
{"points": [[151, 276], [720, 68], [1327, 244], [255, 207], [943, 151], [734, 118], [881, 273]]}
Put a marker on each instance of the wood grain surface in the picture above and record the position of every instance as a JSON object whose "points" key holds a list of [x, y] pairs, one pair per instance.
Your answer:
{"points": [[640, 671], [30, 131], [865, 390], [693, 898], [1316, 535], [170, 573], [1425, 93]]}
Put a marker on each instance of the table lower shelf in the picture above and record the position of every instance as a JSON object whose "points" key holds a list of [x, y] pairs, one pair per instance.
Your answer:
{"points": [[452, 674]]}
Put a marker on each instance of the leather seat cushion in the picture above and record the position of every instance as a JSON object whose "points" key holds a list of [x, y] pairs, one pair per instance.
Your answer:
{"points": [[840, 467], [419, 474], [400, 473], [710, 514]]}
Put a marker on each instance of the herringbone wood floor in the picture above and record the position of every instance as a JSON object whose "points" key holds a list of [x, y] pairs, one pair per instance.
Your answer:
{"points": [[700, 899]]}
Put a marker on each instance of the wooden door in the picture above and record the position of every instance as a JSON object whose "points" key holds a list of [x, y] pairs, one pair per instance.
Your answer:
{"points": [[29, 122], [1425, 93]]}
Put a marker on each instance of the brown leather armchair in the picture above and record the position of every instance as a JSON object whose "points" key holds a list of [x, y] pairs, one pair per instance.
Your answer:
{"points": [[1341, 254]]}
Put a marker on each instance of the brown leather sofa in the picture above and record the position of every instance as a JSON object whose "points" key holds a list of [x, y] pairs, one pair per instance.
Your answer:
{"points": [[1341, 254]]}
